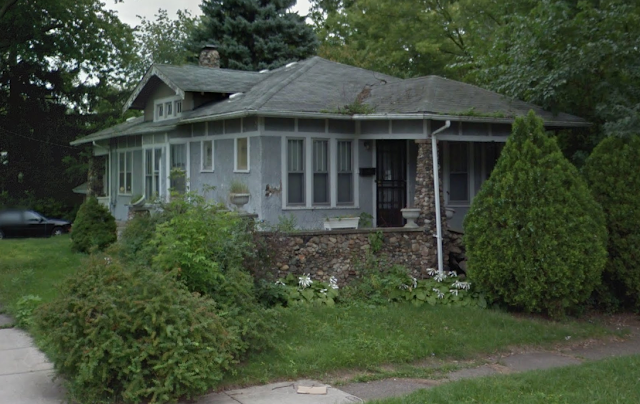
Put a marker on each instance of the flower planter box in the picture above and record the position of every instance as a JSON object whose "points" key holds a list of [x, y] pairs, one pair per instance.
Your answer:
{"points": [[333, 223]]}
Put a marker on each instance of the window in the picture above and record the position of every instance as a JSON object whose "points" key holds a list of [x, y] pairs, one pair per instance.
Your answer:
{"points": [[160, 110], [178, 175], [345, 172], [153, 158], [295, 172], [458, 172], [125, 166], [168, 106], [242, 154], [178, 108], [320, 172], [207, 155]]}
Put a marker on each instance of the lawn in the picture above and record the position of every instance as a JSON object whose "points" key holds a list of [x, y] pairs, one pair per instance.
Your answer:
{"points": [[34, 267], [317, 341], [608, 381]]}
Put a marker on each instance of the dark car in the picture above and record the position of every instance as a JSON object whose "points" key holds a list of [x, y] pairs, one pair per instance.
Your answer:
{"points": [[27, 223]]}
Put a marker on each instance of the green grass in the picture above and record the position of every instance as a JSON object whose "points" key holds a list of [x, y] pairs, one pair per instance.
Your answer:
{"points": [[34, 267], [608, 381], [319, 340]]}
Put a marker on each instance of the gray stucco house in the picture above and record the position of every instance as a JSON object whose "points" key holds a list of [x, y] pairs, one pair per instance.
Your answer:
{"points": [[313, 139]]}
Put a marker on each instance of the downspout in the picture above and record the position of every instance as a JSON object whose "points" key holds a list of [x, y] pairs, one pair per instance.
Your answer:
{"points": [[436, 193]]}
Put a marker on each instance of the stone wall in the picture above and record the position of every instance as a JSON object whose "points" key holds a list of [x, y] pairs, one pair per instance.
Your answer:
{"points": [[323, 254]]}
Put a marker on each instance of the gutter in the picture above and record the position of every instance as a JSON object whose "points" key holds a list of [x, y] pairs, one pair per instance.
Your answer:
{"points": [[436, 187]]}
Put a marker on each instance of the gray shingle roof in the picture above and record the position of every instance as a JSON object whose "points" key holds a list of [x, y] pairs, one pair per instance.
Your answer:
{"points": [[437, 95], [318, 86]]}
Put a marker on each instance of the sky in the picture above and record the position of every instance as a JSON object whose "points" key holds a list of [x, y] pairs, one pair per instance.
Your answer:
{"points": [[128, 9]]}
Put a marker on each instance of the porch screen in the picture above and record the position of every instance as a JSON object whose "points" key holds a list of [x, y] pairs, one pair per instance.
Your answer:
{"points": [[152, 172], [345, 172], [179, 167], [459, 172], [320, 172], [295, 172]]}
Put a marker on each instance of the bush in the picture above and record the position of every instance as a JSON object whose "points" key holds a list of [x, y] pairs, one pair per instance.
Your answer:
{"points": [[206, 247], [94, 227], [613, 175], [535, 236], [120, 334], [134, 245]]}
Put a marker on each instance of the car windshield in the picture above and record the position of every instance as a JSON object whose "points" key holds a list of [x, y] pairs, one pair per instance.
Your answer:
{"points": [[32, 216]]}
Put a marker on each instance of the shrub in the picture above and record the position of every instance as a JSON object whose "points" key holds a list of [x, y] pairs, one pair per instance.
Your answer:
{"points": [[120, 334], [94, 227], [535, 236], [613, 175], [207, 246], [134, 245]]}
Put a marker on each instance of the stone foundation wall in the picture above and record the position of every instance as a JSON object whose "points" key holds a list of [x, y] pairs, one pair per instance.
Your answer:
{"points": [[323, 254]]}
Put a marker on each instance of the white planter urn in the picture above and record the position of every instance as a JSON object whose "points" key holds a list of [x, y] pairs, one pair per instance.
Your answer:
{"points": [[410, 215], [239, 200], [449, 212], [332, 223]]}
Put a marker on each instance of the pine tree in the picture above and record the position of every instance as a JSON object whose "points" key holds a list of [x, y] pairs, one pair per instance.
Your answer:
{"points": [[254, 34], [613, 175], [535, 236]]}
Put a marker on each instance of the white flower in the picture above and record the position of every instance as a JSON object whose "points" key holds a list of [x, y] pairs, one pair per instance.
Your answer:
{"points": [[440, 277], [333, 282], [454, 292], [403, 287], [415, 282], [323, 291], [453, 274], [107, 260], [431, 271], [305, 281], [280, 283], [462, 285], [438, 293]]}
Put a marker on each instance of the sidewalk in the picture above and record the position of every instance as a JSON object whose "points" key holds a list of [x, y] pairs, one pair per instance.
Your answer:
{"points": [[26, 375]]}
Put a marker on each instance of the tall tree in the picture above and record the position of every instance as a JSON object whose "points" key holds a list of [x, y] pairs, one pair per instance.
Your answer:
{"points": [[581, 57], [163, 40], [59, 60], [254, 34]]}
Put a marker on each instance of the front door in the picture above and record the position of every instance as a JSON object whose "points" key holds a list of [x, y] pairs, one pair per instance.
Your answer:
{"points": [[391, 180]]}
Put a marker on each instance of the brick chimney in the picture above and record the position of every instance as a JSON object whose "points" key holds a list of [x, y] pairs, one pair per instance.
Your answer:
{"points": [[209, 57]]}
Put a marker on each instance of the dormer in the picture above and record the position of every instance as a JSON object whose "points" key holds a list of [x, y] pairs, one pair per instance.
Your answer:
{"points": [[166, 91]]}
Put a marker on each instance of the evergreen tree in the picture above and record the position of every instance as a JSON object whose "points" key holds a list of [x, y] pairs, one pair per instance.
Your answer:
{"points": [[613, 175], [535, 236], [254, 34]]}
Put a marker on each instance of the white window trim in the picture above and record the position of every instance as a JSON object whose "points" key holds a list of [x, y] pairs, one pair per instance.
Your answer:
{"points": [[333, 171], [329, 164], [163, 101], [153, 149], [213, 158], [120, 153], [235, 154]]}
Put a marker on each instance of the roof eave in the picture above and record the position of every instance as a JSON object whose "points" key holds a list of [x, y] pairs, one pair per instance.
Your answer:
{"points": [[153, 71]]}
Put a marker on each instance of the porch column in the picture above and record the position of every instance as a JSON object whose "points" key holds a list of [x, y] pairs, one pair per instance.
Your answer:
{"points": [[425, 198]]}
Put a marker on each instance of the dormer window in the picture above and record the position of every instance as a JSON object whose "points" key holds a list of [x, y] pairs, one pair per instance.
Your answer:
{"points": [[168, 108]]}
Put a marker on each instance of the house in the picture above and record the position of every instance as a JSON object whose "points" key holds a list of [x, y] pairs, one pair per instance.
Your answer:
{"points": [[312, 139]]}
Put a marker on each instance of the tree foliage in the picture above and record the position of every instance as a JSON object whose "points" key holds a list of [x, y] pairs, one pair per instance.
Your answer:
{"points": [[535, 236], [163, 40], [94, 227], [60, 61], [613, 175], [254, 34]]}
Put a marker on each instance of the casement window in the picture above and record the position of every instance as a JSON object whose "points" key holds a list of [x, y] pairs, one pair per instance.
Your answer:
{"points": [[321, 172], [207, 155], [178, 175], [295, 172], [125, 168], [345, 172], [458, 172], [242, 154], [168, 107], [159, 111], [153, 159], [178, 108]]}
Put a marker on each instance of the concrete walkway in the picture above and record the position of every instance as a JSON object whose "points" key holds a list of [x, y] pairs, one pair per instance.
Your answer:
{"points": [[26, 375]]}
